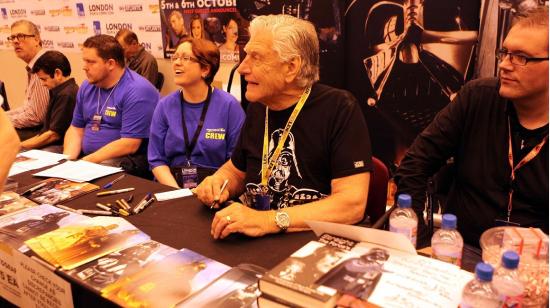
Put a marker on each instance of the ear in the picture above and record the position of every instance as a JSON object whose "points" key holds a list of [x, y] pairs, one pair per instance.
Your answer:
{"points": [[205, 70], [293, 68], [57, 74]]}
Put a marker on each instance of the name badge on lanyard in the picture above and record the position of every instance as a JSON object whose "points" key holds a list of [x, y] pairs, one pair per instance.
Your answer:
{"points": [[189, 176], [96, 122]]}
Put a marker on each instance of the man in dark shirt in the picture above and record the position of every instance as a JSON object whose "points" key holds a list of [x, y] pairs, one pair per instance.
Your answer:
{"points": [[137, 58], [54, 69], [497, 132], [304, 149]]}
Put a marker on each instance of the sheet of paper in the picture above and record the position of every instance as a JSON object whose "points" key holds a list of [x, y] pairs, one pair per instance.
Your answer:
{"points": [[78, 171], [416, 281], [34, 159], [174, 194]]}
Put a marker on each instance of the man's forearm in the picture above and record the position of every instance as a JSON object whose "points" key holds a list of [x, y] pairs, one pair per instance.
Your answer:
{"points": [[9, 148], [118, 148], [40, 141], [346, 205], [73, 142]]}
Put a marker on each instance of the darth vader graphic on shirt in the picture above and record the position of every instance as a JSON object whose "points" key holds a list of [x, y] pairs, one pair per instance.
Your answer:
{"points": [[282, 194]]}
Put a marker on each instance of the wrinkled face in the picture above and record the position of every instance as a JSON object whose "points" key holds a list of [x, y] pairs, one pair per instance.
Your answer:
{"points": [[231, 31], [97, 70], [46, 80], [187, 70], [176, 22], [26, 47], [262, 69], [196, 28], [523, 83]]}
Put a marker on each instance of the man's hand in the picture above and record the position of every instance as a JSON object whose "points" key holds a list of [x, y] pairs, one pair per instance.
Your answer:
{"points": [[209, 191], [242, 219]]}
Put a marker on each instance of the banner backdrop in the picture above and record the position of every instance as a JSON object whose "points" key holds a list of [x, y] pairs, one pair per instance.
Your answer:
{"points": [[215, 20], [65, 25]]}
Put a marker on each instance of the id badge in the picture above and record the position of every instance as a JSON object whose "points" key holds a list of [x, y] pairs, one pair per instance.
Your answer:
{"points": [[189, 176], [96, 121], [263, 202]]}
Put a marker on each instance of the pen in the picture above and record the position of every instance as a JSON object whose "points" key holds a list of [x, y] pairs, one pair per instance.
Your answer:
{"points": [[94, 212], [34, 188], [66, 208], [118, 210], [221, 191], [103, 206], [145, 198], [142, 206], [108, 185], [112, 192]]}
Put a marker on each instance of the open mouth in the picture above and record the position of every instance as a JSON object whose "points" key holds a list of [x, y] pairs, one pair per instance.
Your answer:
{"points": [[178, 72]]}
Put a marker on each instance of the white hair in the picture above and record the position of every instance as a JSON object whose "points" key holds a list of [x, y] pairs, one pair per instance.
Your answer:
{"points": [[292, 37]]}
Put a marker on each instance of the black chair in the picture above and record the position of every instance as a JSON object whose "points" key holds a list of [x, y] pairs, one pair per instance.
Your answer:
{"points": [[160, 81], [4, 96]]}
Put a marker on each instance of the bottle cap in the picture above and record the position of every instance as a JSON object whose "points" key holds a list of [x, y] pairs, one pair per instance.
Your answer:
{"points": [[510, 259], [448, 221], [404, 201], [484, 271]]}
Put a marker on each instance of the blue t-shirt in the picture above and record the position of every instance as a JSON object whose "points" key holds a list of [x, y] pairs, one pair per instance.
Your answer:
{"points": [[216, 140], [126, 114]]}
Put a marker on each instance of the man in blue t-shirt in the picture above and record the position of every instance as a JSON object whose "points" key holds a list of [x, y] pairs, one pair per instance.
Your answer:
{"points": [[113, 109]]}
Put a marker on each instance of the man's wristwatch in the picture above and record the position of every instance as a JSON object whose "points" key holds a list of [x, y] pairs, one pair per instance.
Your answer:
{"points": [[282, 220]]}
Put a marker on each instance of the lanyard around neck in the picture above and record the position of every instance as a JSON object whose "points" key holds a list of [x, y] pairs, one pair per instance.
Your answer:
{"points": [[269, 164], [189, 146], [97, 111], [527, 158]]}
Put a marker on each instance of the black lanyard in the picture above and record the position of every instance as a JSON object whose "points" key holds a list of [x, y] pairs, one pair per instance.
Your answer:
{"points": [[189, 146]]}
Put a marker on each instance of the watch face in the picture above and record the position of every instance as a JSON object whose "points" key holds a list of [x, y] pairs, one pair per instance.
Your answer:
{"points": [[283, 220]]}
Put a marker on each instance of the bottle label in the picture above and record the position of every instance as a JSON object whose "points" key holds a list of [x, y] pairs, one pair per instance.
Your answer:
{"points": [[408, 232], [449, 259]]}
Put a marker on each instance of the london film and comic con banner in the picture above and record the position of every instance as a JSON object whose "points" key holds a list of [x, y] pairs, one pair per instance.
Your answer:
{"points": [[65, 25]]}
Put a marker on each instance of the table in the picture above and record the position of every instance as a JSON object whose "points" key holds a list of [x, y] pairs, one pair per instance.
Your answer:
{"points": [[185, 223]]}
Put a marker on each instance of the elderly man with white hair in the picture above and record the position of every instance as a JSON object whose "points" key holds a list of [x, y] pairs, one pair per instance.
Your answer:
{"points": [[304, 151]]}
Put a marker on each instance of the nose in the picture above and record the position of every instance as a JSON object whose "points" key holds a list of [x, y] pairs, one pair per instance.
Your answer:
{"points": [[506, 63], [244, 68]]}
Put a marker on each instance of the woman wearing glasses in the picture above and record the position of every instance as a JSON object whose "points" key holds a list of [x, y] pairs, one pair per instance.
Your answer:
{"points": [[182, 155]]}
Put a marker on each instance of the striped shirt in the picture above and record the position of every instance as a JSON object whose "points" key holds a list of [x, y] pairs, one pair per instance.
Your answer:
{"points": [[35, 105]]}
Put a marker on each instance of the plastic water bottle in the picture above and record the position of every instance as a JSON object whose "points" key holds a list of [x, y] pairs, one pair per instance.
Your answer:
{"points": [[403, 219], [507, 282], [447, 243], [479, 292]]}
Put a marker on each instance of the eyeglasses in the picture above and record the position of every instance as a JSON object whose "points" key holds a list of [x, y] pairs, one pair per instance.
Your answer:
{"points": [[517, 59], [19, 37], [184, 59]]}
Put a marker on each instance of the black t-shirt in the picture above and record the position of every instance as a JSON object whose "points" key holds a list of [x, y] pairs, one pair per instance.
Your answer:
{"points": [[474, 130], [329, 140], [60, 109]]}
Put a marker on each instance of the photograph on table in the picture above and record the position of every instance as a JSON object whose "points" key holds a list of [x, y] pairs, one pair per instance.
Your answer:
{"points": [[59, 190], [238, 287], [166, 282], [11, 202], [79, 243], [104, 271], [17, 228]]}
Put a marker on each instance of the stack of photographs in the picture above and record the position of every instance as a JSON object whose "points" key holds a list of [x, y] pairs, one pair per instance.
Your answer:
{"points": [[166, 282], [87, 240], [55, 191], [11, 202], [18, 227], [104, 271]]}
